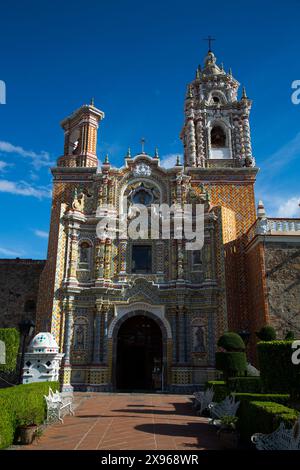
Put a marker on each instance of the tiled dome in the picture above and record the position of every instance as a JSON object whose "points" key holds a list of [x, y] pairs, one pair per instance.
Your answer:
{"points": [[43, 343]]}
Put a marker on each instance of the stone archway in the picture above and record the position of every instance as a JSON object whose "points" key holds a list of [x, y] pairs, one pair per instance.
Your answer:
{"points": [[122, 330]]}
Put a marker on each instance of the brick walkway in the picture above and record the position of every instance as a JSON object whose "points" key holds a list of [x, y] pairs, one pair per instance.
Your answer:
{"points": [[130, 421]]}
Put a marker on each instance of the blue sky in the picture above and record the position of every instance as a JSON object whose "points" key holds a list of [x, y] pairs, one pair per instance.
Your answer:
{"points": [[136, 59]]}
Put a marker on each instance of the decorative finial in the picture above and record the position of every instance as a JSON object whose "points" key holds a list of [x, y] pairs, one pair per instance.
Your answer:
{"points": [[128, 155], [230, 72], [222, 67], [198, 72], [106, 160], [143, 141], [261, 212], [209, 39], [156, 153], [92, 103], [189, 92], [244, 94], [178, 161]]}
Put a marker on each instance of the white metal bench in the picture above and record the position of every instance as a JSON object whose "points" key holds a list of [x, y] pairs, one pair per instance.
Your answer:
{"points": [[203, 399], [281, 439], [57, 407], [227, 407]]}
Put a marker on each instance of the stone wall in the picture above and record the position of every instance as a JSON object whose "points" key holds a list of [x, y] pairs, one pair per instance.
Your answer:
{"points": [[19, 283], [282, 262]]}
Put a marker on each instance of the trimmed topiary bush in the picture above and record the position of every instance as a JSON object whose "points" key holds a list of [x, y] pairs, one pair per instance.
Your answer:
{"points": [[278, 373], [18, 403], [263, 417], [231, 342], [220, 389], [232, 364], [267, 333], [11, 338], [245, 384], [281, 398], [289, 336]]}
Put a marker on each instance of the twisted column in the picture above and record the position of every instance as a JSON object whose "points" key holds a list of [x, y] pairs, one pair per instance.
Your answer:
{"points": [[97, 334]]}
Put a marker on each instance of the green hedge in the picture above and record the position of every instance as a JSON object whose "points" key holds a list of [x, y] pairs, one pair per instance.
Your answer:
{"points": [[20, 402], [278, 373], [245, 384], [263, 417], [220, 389], [11, 338], [232, 364], [281, 398]]}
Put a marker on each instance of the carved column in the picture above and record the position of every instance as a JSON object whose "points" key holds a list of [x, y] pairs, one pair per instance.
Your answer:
{"points": [[180, 261], [200, 143], [107, 262], [105, 331], [97, 334], [68, 332], [207, 260], [172, 313], [100, 258], [212, 252], [68, 306], [160, 258], [191, 142], [247, 138], [181, 314], [122, 257], [72, 253]]}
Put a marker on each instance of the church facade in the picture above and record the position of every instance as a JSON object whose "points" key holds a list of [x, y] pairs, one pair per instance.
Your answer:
{"points": [[146, 314]]}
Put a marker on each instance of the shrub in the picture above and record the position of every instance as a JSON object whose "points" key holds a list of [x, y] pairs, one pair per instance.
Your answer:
{"points": [[281, 398], [267, 333], [263, 417], [231, 342], [245, 384], [220, 389], [11, 338], [6, 424], [278, 373], [232, 364], [290, 336], [21, 404]]}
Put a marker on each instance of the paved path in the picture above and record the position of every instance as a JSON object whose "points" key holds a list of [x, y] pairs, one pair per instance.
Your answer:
{"points": [[131, 422]]}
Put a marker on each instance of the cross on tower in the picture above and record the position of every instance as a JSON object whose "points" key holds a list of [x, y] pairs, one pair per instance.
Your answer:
{"points": [[209, 39], [143, 141]]}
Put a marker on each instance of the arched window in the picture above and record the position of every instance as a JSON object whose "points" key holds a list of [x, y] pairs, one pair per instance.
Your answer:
{"points": [[217, 137], [84, 255]]}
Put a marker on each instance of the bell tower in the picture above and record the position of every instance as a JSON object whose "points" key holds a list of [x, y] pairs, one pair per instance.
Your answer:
{"points": [[81, 137], [216, 130]]}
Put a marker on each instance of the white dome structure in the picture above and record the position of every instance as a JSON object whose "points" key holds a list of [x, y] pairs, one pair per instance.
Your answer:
{"points": [[43, 359], [43, 343]]}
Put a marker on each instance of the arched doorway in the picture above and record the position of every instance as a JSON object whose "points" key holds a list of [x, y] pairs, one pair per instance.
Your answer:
{"points": [[139, 354]]}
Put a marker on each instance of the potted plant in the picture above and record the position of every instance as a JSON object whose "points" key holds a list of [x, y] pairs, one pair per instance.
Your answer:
{"points": [[227, 432], [27, 427]]}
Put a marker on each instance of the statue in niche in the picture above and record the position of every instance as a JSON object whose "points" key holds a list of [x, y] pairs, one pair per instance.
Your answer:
{"points": [[84, 252], [79, 337], [198, 339]]}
